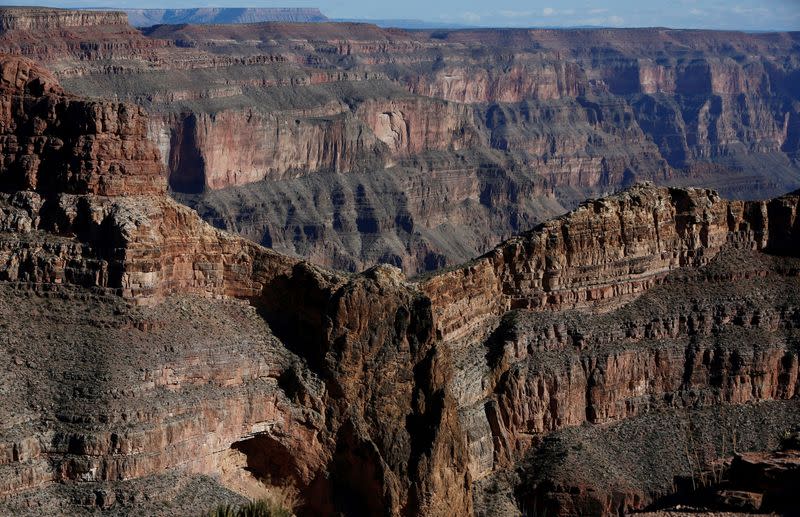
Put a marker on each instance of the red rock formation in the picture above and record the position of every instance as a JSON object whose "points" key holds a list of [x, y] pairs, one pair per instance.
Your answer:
{"points": [[103, 151], [368, 393], [541, 81], [52, 34], [530, 121], [606, 250], [412, 126], [89, 162], [240, 147], [396, 449]]}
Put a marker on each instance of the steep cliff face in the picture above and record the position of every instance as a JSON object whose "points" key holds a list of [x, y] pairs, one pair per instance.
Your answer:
{"points": [[31, 18], [85, 170], [336, 386], [161, 360], [690, 316], [516, 83], [413, 126], [608, 249], [526, 122], [239, 147], [588, 144], [400, 446], [53, 34], [104, 151]]}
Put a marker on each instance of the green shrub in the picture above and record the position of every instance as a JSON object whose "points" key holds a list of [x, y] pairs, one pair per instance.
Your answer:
{"points": [[260, 508]]}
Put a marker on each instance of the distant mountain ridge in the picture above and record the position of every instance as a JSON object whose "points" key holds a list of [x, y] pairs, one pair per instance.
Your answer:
{"points": [[409, 24], [212, 15]]}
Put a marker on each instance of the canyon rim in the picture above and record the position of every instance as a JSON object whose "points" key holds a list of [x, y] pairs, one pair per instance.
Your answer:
{"points": [[339, 268]]}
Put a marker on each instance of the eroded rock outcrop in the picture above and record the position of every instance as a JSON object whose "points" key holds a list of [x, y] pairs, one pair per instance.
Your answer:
{"points": [[240, 147], [607, 249], [101, 150], [288, 406], [412, 126], [86, 171], [541, 81], [721, 333], [32, 18], [155, 347], [255, 120]]}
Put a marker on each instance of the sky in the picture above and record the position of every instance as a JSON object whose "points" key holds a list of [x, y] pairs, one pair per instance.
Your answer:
{"points": [[753, 15]]}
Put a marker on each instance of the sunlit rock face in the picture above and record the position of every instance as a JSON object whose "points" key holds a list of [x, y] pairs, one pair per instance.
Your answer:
{"points": [[596, 363], [351, 145]]}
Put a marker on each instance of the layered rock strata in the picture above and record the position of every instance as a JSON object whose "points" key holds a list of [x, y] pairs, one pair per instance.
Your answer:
{"points": [[37, 19], [608, 249], [102, 151], [532, 121], [155, 347], [276, 402]]}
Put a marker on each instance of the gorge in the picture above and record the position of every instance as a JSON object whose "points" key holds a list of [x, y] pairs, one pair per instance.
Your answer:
{"points": [[509, 347]]}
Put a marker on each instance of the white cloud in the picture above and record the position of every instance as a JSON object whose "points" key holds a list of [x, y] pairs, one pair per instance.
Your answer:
{"points": [[548, 11], [598, 11], [471, 17], [600, 21], [697, 12], [738, 9], [615, 20], [515, 14]]}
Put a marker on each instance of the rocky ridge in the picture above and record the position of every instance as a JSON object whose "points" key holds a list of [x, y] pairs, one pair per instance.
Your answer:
{"points": [[214, 15], [78, 247], [156, 347], [33, 19], [528, 123]]}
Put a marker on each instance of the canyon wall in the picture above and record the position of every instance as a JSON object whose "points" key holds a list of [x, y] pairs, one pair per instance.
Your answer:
{"points": [[32, 18], [607, 249], [164, 362], [204, 385], [533, 121], [41, 153], [86, 169], [234, 148]]}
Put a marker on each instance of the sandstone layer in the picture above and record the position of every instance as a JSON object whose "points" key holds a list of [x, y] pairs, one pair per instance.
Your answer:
{"points": [[511, 127], [194, 383], [158, 365]]}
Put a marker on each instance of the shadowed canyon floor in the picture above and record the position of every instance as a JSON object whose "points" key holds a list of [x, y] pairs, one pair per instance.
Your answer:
{"points": [[601, 362], [350, 145]]}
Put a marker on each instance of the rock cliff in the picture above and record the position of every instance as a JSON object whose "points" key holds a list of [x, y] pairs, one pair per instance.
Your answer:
{"points": [[103, 151], [179, 378], [588, 365], [526, 122], [609, 249], [44, 19]]}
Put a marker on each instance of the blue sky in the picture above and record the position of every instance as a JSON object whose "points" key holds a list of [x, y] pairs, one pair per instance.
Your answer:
{"points": [[713, 14]]}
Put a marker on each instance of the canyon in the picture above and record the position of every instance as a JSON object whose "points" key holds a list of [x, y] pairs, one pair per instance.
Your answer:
{"points": [[349, 145], [600, 362]]}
